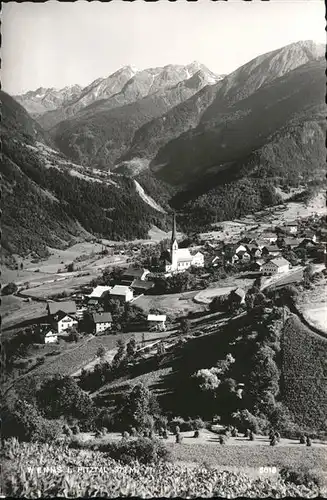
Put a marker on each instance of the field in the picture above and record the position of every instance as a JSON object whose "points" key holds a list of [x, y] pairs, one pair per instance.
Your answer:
{"points": [[83, 473], [250, 454], [174, 304], [14, 311]]}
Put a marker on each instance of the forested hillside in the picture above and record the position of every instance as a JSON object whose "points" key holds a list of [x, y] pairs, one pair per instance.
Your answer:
{"points": [[45, 205], [220, 144]]}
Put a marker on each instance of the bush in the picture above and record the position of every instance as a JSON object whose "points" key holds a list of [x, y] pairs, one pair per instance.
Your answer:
{"points": [[179, 424], [198, 424], [243, 419], [144, 450], [24, 421], [300, 476], [9, 289], [179, 438], [196, 434], [75, 429]]}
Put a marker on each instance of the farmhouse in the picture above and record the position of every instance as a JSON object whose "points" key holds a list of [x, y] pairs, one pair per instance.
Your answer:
{"points": [[122, 292], [238, 295], [99, 291], [133, 274], [269, 236], [291, 242], [310, 235], [63, 321], [275, 266], [140, 286], [102, 321], [157, 322], [270, 250], [68, 307], [180, 259], [50, 336], [291, 227]]}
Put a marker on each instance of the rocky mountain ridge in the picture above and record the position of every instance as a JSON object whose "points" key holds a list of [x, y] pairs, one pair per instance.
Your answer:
{"points": [[124, 86]]}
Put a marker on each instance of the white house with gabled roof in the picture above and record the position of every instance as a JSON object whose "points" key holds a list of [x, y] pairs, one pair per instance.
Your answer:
{"points": [[122, 292], [275, 266]]}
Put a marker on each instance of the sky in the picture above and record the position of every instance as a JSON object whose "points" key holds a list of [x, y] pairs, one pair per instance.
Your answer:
{"points": [[58, 44]]}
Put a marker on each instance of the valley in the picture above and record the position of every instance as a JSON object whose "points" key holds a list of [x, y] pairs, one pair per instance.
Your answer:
{"points": [[164, 278]]}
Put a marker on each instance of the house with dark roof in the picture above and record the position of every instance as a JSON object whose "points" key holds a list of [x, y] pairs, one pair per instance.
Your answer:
{"points": [[238, 295], [102, 321], [291, 227], [140, 286], [270, 250], [131, 274], [62, 322], [291, 242], [68, 307]]}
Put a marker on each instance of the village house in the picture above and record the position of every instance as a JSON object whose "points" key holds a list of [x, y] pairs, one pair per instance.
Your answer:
{"points": [[240, 248], [269, 236], [310, 235], [49, 336], [68, 307], [140, 286], [238, 295], [133, 274], [270, 251], [122, 292], [99, 292], [257, 265], [157, 322], [291, 227], [275, 266], [243, 256], [180, 259], [102, 321], [62, 322], [290, 243]]}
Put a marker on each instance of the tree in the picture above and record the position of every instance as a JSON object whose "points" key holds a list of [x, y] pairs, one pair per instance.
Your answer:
{"points": [[61, 396], [9, 289], [137, 408], [131, 347], [264, 376], [120, 354], [185, 325], [101, 352]]}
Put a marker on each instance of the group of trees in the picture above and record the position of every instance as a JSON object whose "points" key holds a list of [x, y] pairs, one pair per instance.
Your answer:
{"points": [[113, 212], [225, 202], [105, 371], [38, 412]]}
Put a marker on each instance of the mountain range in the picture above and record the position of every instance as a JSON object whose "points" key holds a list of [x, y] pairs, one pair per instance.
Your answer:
{"points": [[208, 145]]}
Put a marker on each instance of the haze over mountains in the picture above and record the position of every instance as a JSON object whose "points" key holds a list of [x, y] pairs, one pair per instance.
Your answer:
{"points": [[184, 131]]}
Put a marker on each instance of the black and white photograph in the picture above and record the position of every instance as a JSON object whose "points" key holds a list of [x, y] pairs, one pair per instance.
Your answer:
{"points": [[163, 249]]}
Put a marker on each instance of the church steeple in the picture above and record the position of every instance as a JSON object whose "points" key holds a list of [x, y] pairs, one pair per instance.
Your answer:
{"points": [[173, 234], [174, 246]]}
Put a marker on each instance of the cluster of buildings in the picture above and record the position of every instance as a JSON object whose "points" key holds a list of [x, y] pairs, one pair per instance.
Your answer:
{"points": [[264, 251]]}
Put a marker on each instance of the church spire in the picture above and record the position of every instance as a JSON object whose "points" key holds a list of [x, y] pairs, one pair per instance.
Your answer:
{"points": [[173, 234]]}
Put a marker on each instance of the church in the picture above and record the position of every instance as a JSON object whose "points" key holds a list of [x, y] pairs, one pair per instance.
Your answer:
{"points": [[180, 259]]}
